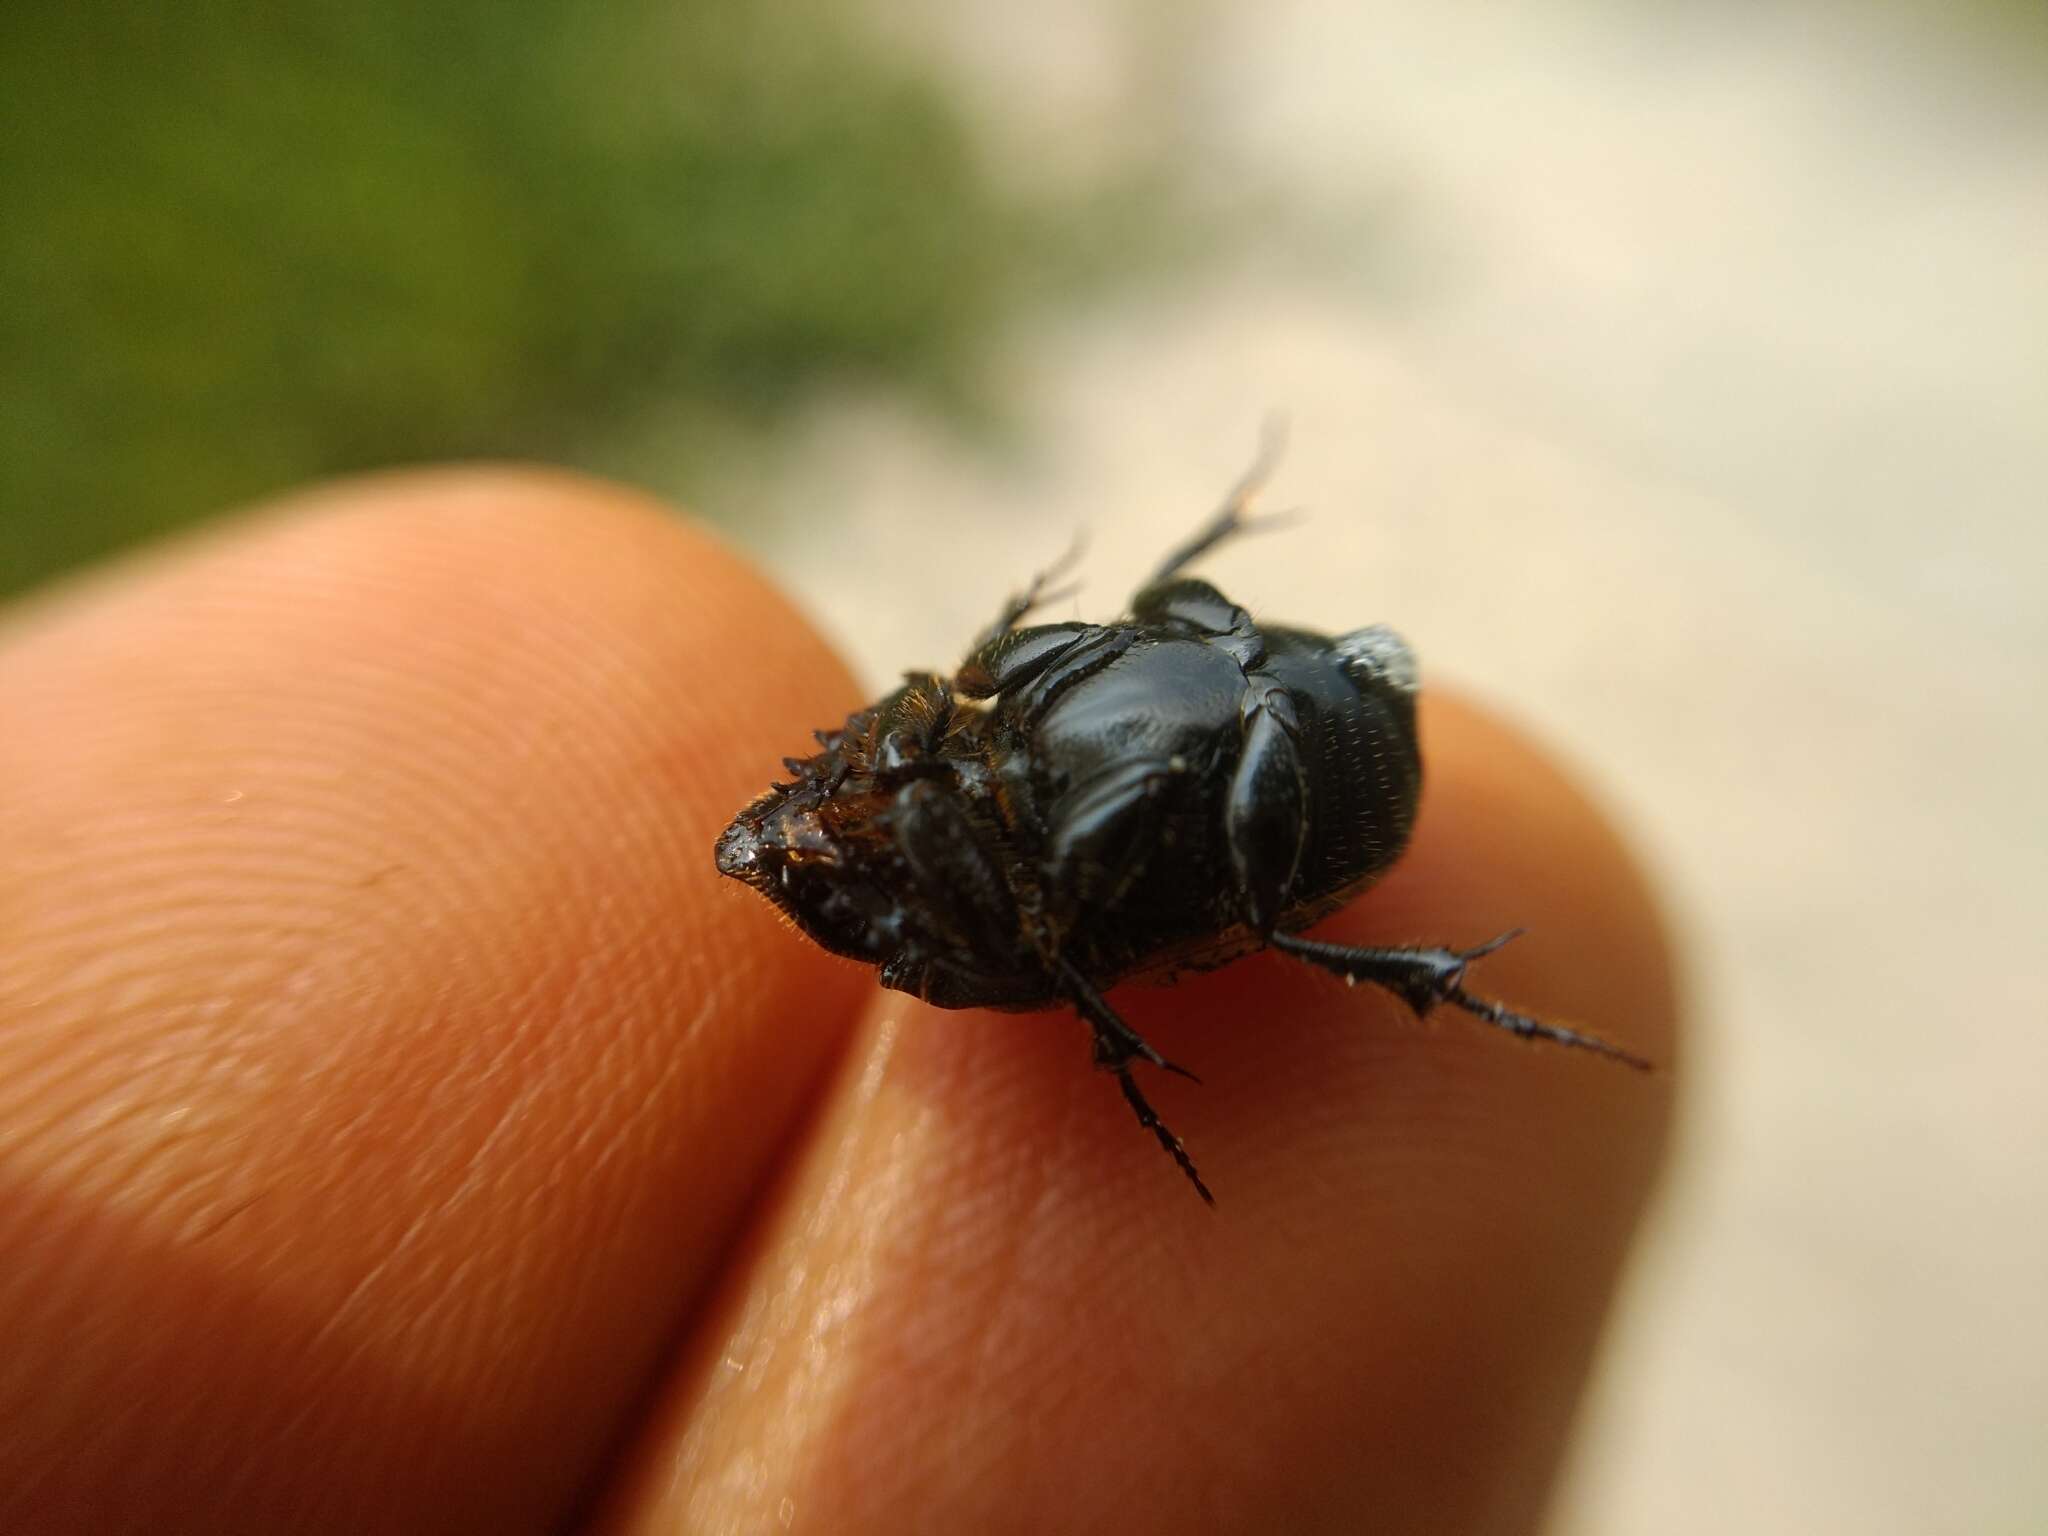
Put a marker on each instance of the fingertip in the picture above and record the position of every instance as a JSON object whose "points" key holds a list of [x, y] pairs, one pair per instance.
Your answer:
{"points": [[364, 935]]}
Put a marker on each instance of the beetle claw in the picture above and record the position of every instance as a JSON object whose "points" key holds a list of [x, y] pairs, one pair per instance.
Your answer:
{"points": [[1491, 945]]}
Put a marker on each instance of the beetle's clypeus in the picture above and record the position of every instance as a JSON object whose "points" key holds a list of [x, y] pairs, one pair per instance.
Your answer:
{"points": [[1082, 803]]}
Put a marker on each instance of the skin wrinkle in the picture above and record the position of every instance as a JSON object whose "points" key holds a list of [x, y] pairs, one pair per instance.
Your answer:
{"points": [[322, 924], [470, 1171], [458, 1181]]}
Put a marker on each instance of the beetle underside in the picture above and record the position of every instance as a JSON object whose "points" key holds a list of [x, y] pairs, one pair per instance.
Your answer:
{"points": [[1081, 804]]}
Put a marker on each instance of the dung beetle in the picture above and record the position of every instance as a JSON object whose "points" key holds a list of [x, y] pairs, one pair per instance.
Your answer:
{"points": [[1081, 804]]}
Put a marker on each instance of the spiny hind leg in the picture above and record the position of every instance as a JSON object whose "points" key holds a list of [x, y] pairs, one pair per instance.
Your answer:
{"points": [[1423, 978]]}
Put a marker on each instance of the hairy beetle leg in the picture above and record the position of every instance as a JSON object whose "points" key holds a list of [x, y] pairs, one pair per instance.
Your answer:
{"points": [[1423, 978], [1117, 1045]]}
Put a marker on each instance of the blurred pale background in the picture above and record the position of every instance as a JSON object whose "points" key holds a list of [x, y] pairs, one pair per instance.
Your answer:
{"points": [[1675, 377]]}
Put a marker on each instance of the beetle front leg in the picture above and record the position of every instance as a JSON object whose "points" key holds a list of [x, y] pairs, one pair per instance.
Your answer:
{"points": [[1423, 978]]}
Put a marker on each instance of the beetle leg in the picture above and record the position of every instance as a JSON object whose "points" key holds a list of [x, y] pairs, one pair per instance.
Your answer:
{"points": [[1233, 517], [1423, 978], [1107, 832], [1117, 1045], [1077, 664], [910, 723], [1194, 608], [1265, 817], [1151, 1122], [1034, 595], [1014, 657], [952, 870]]}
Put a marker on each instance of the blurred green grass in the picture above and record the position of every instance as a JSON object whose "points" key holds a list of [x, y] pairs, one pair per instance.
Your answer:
{"points": [[245, 246]]}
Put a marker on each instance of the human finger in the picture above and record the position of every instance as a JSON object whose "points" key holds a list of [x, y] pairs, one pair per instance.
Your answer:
{"points": [[383, 1068]]}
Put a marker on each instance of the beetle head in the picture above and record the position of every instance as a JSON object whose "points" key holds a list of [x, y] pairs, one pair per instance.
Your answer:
{"points": [[880, 846], [822, 854]]}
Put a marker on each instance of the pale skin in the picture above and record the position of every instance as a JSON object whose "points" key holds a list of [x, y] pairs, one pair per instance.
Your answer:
{"points": [[402, 1126]]}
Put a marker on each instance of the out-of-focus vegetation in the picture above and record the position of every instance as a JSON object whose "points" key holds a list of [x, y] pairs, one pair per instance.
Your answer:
{"points": [[247, 245]]}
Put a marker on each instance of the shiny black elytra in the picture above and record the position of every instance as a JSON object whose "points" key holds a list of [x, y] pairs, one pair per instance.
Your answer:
{"points": [[1083, 803]]}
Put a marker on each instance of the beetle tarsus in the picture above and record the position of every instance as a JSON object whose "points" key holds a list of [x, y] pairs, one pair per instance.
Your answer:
{"points": [[1535, 1029], [1151, 1122], [1423, 978]]}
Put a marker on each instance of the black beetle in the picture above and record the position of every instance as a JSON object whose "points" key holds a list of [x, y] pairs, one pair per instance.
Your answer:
{"points": [[1083, 803]]}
